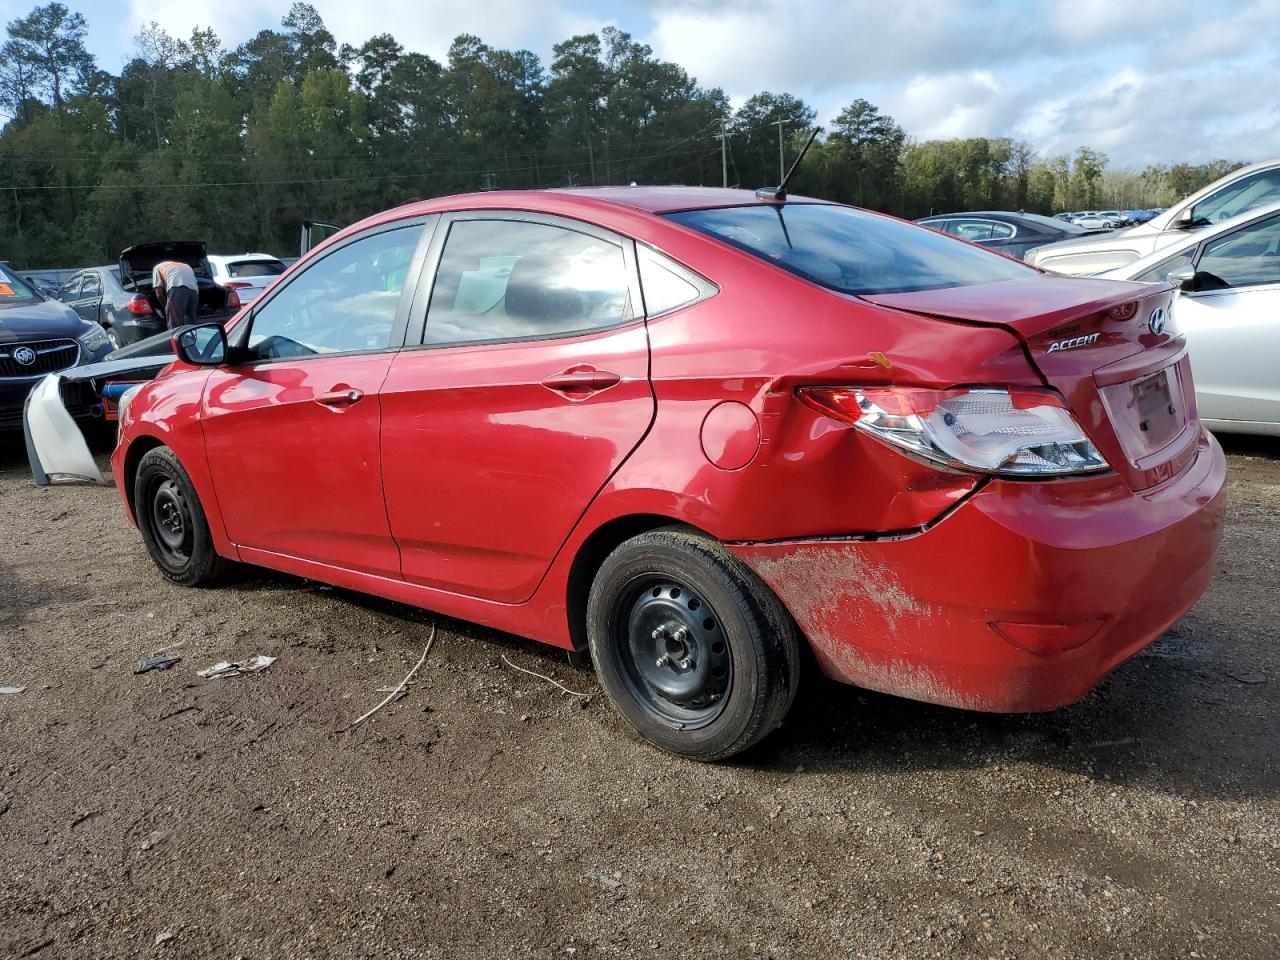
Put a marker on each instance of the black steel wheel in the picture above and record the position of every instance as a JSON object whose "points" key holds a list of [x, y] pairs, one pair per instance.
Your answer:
{"points": [[172, 521], [675, 651], [691, 648]]}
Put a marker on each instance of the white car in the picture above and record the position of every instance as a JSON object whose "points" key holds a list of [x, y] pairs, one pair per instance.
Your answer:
{"points": [[1228, 308], [246, 273], [1094, 221], [1238, 192]]}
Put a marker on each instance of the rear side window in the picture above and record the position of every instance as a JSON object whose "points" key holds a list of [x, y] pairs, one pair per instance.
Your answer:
{"points": [[852, 251], [255, 268], [346, 302], [514, 280], [665, 285], [92, 286]]}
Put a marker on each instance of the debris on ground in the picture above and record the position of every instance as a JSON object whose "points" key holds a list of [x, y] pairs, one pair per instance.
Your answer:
{"points": [[164, 937], [161, 662], [11, 690], [403, 687], [234, 668], [154, 839], [543, 676]]}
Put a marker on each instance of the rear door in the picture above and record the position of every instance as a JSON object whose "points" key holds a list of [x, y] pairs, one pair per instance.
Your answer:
{"points": [[527, 389], [292, 429], [1233, 324]]}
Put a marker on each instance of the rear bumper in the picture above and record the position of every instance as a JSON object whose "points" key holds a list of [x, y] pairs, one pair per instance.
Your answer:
{"points": [[1077, 561]]}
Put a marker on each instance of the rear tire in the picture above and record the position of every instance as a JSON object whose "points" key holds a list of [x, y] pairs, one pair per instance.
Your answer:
{"points": [[695, 652], [173, 523]]}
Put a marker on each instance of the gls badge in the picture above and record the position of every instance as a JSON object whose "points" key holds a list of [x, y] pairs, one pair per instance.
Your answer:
{"points": [[1156, 321]]}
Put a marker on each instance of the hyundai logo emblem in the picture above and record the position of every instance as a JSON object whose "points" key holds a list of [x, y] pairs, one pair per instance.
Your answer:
{"points": [[1156, 323], [24, 356]]}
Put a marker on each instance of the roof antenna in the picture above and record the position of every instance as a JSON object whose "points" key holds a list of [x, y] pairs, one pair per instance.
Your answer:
{"points": [[778, 194]]}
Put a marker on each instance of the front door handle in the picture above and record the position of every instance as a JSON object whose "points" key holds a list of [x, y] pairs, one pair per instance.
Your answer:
{"points": [[581, 381], [339, 398]]}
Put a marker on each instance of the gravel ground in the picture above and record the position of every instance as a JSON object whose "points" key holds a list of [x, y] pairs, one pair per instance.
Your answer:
{"points": [[489, 814]]}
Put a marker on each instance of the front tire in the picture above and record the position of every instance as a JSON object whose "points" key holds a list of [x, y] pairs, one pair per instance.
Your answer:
{"points": [[695, 652], [173, 523]]}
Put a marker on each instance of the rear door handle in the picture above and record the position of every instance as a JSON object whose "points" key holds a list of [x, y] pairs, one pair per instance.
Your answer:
{"points": [[581, 381], [340, 398]]}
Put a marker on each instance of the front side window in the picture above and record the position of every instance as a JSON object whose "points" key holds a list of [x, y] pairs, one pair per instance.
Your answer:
{"points": [[1239, 197], [1248, 257], [71, 289], [853, 251], [345, 302], [512, 280]]}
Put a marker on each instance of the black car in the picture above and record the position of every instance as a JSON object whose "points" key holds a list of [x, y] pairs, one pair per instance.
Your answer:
{"points": [[38, 337], [1012, 234], [122, 299]]}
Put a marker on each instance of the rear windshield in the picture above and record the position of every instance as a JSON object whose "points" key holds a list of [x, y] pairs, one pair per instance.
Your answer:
{"points": [[13, 289], [850, 250], [255, 268]]}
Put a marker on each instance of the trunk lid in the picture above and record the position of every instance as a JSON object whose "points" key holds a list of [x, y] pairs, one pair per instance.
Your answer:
{"points": [[137, 262], [1109, 347]]}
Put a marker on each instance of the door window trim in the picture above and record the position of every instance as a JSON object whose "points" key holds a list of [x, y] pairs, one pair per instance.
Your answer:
{"points": [[417, 328], [239, 336]]}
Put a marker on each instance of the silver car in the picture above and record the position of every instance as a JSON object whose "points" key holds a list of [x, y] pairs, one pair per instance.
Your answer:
{"points": [[1236, 193], [1228, 308]]}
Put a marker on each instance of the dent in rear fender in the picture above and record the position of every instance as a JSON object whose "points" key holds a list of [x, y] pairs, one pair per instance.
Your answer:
{"points": [[56, 447]]}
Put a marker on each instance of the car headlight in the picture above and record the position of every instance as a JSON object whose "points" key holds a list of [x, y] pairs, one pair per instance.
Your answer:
{"points": [[94, 339]]}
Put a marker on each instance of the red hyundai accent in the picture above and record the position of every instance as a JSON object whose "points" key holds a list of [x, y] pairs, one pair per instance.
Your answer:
{"points": [[692, 430]]}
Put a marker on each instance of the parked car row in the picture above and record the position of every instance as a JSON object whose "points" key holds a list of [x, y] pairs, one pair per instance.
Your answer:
{"points": [[116, 305]]}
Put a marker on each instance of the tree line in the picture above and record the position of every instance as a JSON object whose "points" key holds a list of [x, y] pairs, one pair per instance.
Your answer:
{"points": [[238, 146]]}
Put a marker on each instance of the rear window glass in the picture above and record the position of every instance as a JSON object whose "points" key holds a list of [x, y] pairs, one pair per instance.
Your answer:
{"points": [[850, 250], [255, 268], [13, 289]]}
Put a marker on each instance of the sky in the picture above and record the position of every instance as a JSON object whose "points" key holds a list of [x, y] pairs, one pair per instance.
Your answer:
{"points": [[1144, 81]]}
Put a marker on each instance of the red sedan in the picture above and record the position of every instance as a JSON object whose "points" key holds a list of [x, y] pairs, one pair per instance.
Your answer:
{"points": [[692, 430]]}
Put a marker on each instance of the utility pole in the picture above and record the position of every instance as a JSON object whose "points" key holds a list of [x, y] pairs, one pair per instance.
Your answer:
{"points": [[724, 150]]}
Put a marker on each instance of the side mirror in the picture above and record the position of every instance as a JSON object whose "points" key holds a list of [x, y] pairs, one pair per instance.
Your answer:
{"points": [[202, 345], [1185, 219], [1185, 278]]}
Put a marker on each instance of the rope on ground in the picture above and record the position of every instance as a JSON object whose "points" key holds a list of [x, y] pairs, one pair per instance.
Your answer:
{"points": [[404, 684], [543, 676]]}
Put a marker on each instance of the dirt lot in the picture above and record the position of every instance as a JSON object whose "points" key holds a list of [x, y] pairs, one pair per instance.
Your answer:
{"points": [[488, 814]]}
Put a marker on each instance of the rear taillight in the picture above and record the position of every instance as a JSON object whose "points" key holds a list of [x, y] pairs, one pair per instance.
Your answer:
{"points": [[233, 298], [1009, 431], [237, 285], [138, 306]]}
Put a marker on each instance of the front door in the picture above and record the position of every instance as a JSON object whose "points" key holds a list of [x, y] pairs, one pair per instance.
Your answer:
{"points": [[1232, 326], [528, 387], [292, 428]]}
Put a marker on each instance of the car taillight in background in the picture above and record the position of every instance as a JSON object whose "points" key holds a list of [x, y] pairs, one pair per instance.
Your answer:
{"points": [[139, 306], [237, 285], [1017, 431], [233, 298]]}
